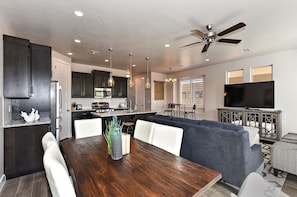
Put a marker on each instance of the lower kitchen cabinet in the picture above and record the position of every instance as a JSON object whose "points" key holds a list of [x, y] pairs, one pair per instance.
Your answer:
{"points": [[23, 153]]}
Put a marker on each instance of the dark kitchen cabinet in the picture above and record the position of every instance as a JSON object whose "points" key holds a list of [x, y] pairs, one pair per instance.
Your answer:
{"points": [[17, 67], [120, 88], [41, 78], [100, 78], [23, 151], [82, 85]]}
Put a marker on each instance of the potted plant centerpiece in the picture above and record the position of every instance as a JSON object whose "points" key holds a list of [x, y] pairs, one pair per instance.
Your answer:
{"points": [[113, 136]]}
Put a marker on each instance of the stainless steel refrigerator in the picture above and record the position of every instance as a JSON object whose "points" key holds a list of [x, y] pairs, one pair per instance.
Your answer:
{"points": [[56, 108]]}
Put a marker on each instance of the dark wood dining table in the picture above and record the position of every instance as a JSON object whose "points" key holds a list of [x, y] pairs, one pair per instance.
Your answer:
{"points": [[146, 171]]}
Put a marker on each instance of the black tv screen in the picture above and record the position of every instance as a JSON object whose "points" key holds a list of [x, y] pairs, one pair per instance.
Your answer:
{"points": [[250, 95]]}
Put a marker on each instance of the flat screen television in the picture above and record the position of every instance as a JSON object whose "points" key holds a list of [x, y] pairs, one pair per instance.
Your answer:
{"points": [[250, 95]]}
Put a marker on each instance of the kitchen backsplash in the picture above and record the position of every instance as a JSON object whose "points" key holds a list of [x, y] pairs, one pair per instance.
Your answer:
{"points": [[7, 110], [87, 102]]}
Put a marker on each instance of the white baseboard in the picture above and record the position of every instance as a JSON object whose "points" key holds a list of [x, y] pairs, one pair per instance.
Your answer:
{"points": [[2, 181]]}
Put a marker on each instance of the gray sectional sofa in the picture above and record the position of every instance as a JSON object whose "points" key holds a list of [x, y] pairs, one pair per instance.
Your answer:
{"points": [[220, 146]]}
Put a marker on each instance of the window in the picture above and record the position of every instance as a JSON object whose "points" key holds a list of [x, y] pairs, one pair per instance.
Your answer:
{"points": [[159, 90], [192, 92], [235, 76], [263, 73]]}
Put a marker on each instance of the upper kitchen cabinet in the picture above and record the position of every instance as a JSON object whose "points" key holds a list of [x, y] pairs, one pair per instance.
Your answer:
{"points": [[82, 85], [17, 67], [100, 78], [40, 58], [120, 88], [41, 62]]}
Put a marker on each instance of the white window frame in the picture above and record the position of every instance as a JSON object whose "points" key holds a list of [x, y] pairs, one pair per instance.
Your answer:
{"points": [[191, 81], [260, 67], [228, 73]]}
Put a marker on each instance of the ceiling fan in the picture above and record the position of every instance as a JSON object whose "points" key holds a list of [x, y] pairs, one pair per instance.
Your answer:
{"points": [[212, 36]]}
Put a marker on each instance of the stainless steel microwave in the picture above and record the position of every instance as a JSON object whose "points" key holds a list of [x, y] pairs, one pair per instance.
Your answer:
{"points": [[102, 92]]}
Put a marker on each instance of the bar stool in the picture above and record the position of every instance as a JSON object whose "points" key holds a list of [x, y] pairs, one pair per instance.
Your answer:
{"points": [[128, 127]]}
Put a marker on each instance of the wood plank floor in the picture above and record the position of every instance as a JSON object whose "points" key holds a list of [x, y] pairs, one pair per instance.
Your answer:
{"points": [[35, 185], [32, 185]]}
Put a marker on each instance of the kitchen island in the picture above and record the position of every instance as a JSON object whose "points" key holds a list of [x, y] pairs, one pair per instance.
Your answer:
{"points": [[122, 113], [123, 116]]}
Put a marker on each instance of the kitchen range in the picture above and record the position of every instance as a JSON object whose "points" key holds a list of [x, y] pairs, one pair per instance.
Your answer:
{"points": [[101, 107]]}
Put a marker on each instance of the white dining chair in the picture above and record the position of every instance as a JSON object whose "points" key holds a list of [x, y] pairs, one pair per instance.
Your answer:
{"points": [[168, 138], [57, 173], [47, 139], [143, 131], [87, 127], [255, 185]]}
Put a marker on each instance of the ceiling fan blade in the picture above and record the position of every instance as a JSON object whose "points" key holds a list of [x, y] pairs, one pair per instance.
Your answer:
{"points": [[199, 33], [205, 48], [231, 41], [233, 28], [189, 45]]}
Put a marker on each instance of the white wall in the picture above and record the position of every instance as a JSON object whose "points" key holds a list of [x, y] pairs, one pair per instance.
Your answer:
{"points": [[284, 74]]}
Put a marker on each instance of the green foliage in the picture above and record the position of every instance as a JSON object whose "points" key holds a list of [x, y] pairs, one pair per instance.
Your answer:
{"points": [[110, 125]]}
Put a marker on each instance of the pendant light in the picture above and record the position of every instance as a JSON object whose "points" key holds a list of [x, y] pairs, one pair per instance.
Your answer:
{"points": [[110, 81], [131, 84], [170, 79], [147, 84]]}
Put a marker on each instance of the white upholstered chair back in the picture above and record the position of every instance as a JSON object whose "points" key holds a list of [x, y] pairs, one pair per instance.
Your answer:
{"points": [[168, 138], [57, 172], [143, 131], [255, 185], [88, 127], [47, 139]]}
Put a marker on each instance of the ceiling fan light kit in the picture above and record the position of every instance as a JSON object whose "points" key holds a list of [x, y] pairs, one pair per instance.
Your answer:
{"points": [[211, 36]]}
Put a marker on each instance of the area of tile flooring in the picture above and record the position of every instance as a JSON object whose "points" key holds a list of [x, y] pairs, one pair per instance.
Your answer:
{"points": [[35, 185]]}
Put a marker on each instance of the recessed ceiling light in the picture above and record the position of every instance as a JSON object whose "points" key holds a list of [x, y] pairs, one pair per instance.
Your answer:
{"points": [[106, 60], [167, 45], [77, 41], [78, 13], [207, 59], [133, 65], [70, 53]]}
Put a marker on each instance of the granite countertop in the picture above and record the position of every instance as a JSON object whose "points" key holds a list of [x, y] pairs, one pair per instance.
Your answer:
{"points": [[22, 123], [120, 113]]}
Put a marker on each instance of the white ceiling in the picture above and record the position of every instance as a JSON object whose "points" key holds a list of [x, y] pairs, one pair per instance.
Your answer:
{"points": [[143, 27]]}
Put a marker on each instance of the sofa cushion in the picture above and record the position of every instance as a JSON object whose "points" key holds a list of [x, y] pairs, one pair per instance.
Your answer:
{"points": [[225, 150], [232, 127], [212, 124]]}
